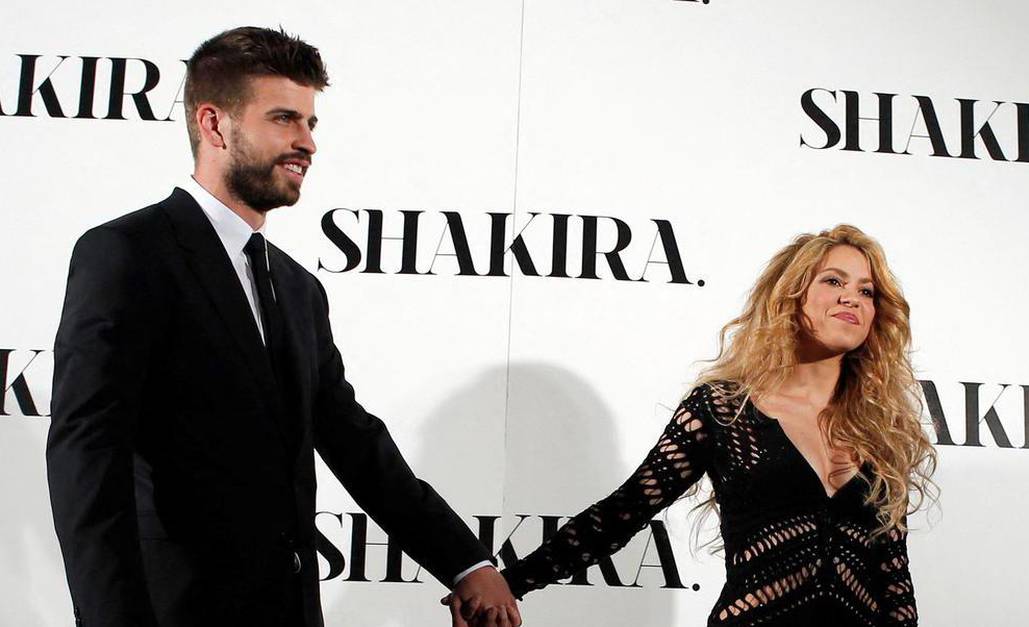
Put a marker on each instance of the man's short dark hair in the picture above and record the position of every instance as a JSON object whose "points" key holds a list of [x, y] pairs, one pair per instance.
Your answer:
{"points": [[220, 70]]}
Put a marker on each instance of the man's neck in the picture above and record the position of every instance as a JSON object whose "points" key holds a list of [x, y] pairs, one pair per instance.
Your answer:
{"points": [[215, 185]]}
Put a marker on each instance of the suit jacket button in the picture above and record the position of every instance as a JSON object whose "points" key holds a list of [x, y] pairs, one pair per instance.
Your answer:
{"points": [[296, 563]]}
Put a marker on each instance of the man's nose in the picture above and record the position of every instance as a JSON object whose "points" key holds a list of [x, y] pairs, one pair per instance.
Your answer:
{"points": [[304, 141]]}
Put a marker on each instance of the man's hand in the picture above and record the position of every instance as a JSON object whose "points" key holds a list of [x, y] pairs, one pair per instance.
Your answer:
{"points": [[482, 599]]}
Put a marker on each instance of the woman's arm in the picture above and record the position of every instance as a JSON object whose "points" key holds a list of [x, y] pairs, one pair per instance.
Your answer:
{"points": [[898, 594], [677, 461]]}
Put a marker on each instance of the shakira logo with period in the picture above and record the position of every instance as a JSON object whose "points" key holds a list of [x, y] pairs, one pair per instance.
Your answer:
{"points": [[650, 560]]}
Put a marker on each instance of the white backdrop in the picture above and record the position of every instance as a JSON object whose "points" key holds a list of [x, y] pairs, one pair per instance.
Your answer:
{"points": [[535, 396]]}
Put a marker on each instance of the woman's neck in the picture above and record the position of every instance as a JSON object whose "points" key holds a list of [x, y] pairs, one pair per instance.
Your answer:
{"points": [[814, 378]]}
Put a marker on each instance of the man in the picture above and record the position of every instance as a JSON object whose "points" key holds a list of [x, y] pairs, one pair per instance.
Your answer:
{"points": [[196, 374]]}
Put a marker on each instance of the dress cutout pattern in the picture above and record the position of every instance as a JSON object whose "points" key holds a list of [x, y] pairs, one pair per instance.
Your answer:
{"points": [[794, 556]]}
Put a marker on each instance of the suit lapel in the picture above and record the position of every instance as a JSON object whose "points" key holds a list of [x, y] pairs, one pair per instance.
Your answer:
{"points": [[210, 264], [292, 310]]}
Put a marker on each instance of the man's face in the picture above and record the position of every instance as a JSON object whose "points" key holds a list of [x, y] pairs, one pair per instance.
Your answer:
{"points": [[270, 146]]}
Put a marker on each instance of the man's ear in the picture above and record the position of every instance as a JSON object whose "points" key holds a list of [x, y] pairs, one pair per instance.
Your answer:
{"points": [[212, 120]]}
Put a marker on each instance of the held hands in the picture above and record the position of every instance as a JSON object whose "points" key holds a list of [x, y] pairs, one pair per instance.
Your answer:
{"points": [[482, 599]]}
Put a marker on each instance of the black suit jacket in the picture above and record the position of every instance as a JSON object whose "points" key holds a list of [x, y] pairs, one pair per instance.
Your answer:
{"points": [[182, 479]]}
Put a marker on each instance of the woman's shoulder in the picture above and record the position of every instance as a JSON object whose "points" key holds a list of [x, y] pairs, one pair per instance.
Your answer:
{"points": [[718, 398], [715, 389]]}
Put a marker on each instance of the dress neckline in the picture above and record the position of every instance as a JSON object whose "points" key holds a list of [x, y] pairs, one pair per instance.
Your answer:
{"points": [[807, 465]]}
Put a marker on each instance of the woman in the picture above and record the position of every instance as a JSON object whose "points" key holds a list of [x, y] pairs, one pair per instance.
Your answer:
{"points": [[807, 425]]}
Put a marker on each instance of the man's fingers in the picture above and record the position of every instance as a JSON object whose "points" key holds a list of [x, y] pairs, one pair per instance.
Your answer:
{"points": [[502, 618], [486, 600], [470, 607], [456, 619], [493, 617], [514, 616]]}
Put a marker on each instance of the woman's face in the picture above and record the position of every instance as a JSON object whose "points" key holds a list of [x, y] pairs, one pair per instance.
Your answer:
{"points": [[839, 305]]}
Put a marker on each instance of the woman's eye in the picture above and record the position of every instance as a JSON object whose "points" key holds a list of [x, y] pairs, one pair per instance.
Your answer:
{"points": [[833, 281], [867, 292]]}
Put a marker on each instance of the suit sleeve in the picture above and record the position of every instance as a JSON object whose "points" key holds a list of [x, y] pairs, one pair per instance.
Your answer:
{"points": [[359, 450], [100, 358]]}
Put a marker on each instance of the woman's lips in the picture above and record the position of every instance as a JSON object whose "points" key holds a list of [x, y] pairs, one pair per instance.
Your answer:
{"points": [[848, 317]]}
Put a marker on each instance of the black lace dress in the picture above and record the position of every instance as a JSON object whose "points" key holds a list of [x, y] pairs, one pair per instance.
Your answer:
{"points": [[794, 556]]}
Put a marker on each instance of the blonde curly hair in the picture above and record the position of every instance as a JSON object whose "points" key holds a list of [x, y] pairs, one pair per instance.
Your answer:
{"points": [[875, 411]]}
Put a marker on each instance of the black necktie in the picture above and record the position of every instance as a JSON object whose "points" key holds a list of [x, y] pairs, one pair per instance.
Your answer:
{"points": [[274, 330], [257, 252]]}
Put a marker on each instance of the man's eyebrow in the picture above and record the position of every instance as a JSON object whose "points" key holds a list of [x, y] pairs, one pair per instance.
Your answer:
{"points": [[293, 114], [844, 274], [280, 110]]}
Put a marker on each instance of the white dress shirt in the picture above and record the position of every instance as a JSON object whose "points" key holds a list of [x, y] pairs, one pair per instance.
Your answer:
{"points": [[234, 234]]}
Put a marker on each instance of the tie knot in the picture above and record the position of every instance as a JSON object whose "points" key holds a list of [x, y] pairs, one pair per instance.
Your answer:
{"points": [[255, 246]]}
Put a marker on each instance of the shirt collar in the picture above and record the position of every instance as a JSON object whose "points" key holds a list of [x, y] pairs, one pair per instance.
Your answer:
{"points": [[232, 230]]}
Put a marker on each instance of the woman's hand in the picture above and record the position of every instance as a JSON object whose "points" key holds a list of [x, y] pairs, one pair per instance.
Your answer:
{"points": [[483, 599]]}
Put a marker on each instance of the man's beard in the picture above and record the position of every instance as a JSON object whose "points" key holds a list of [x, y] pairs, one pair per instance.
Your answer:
{"points": [[253, 181]]}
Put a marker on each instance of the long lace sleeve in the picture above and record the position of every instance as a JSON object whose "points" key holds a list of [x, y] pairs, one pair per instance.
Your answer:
{"points": [[677, 461], [898, 594]]}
